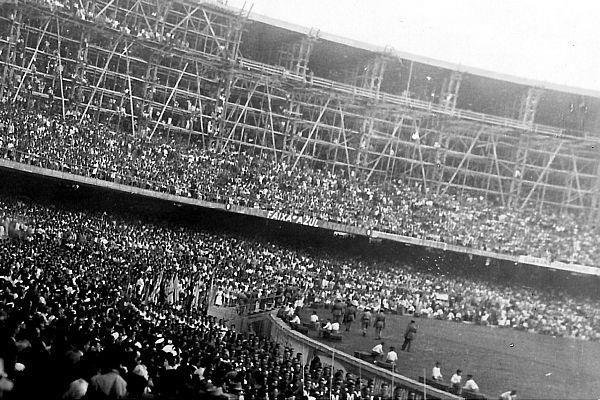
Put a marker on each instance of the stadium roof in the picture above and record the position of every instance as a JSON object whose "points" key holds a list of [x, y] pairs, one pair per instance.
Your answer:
{"points": [[278, 23]]}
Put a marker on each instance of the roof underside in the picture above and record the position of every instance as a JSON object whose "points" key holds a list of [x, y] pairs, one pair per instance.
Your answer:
{"points": [[359, 45]]}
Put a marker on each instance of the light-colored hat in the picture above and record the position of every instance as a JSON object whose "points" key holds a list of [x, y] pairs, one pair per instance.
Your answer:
{"points": [[77, 389]]}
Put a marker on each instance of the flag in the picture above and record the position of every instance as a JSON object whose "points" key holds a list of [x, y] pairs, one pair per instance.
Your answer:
{"points": [[169, 290], [176, 289], [156, 288]]}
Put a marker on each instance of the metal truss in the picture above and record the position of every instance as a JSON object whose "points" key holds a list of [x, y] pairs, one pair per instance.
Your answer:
{"points": [[155, 67]]}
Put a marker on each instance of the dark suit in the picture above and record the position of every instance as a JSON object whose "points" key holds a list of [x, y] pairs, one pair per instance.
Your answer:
{"points": [[409, 335]]}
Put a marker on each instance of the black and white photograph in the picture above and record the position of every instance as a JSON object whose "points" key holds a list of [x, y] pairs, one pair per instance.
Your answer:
{"points": [[299, 200]]}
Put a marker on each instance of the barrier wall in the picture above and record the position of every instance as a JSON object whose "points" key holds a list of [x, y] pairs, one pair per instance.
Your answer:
{"points": [[411, 389], [284, 217]]}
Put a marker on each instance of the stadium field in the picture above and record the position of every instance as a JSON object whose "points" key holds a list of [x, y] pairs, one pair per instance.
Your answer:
{"points": [[500, 359]]}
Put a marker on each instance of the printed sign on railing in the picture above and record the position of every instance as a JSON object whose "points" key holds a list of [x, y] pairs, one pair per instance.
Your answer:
{"points": [[297, 219]]}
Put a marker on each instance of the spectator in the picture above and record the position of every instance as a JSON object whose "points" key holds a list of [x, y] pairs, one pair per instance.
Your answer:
{"points": [[455, 382], [436, 372], [295, 320], [470, 384], [391, 356], [509, 395], [377, 350], [109, 384]]}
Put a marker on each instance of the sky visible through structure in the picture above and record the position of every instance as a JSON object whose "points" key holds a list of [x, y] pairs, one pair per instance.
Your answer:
{"points": [[556, 41]]}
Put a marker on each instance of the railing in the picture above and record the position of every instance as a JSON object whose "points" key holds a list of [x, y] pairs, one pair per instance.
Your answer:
{"points": [[407, 101]]}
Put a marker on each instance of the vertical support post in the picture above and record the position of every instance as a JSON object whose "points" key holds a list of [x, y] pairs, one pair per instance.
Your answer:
{"points": [[11, 52], [595, 203], [150, 81], [220, 112], [520, 163], [529, 105], [373, 73], [362, 155], [450, 91], [295, 56], [441, 152], [293, 113]]}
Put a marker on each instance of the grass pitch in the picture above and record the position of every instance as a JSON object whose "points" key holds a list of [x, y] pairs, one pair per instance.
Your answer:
{"points": [[500, 359]]}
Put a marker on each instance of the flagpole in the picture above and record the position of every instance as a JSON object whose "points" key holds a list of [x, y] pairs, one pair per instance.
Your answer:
{"points": [[331, 375], [424, 385]]}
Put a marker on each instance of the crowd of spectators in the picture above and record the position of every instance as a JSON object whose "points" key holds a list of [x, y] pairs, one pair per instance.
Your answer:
{"points": [[108, 306], [99, 307], [185, 167], [97, 292], [172, 164]]}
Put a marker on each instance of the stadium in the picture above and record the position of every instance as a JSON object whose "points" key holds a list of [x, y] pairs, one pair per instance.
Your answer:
{"points": [[201, 202]]}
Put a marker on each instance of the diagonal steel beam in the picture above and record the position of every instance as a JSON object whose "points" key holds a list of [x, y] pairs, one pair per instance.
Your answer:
{"points": [[271, 119], [212, 31], [343, 128], [494, 144], [184, 20], [312, 131], [239, 118], [105, 8], [542, 174], [162, 112], [471, 147], [383, 152], [87, 107], [60, 68], [130, 92]]}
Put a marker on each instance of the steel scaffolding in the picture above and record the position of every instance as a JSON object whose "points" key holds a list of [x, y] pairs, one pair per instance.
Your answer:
{"points": [[152, 66]]}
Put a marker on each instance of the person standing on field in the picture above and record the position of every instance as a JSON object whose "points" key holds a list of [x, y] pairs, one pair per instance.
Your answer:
{"points": [[350, 315], [409, 335], [379, 323], [365, 321]]}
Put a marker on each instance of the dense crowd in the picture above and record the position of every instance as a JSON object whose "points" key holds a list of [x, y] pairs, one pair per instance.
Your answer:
{"points": [[174, 165], [109, 308], [100, 306], [169, 163], [116, 296]]}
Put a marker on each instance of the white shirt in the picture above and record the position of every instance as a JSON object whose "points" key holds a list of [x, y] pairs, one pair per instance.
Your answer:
{"points": [[314, 318], [392, 356], [327, 326], [455, 378], [508, 396], [378, 349], [436, 373], [295, 320], [471, 385], [335, 326]]}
